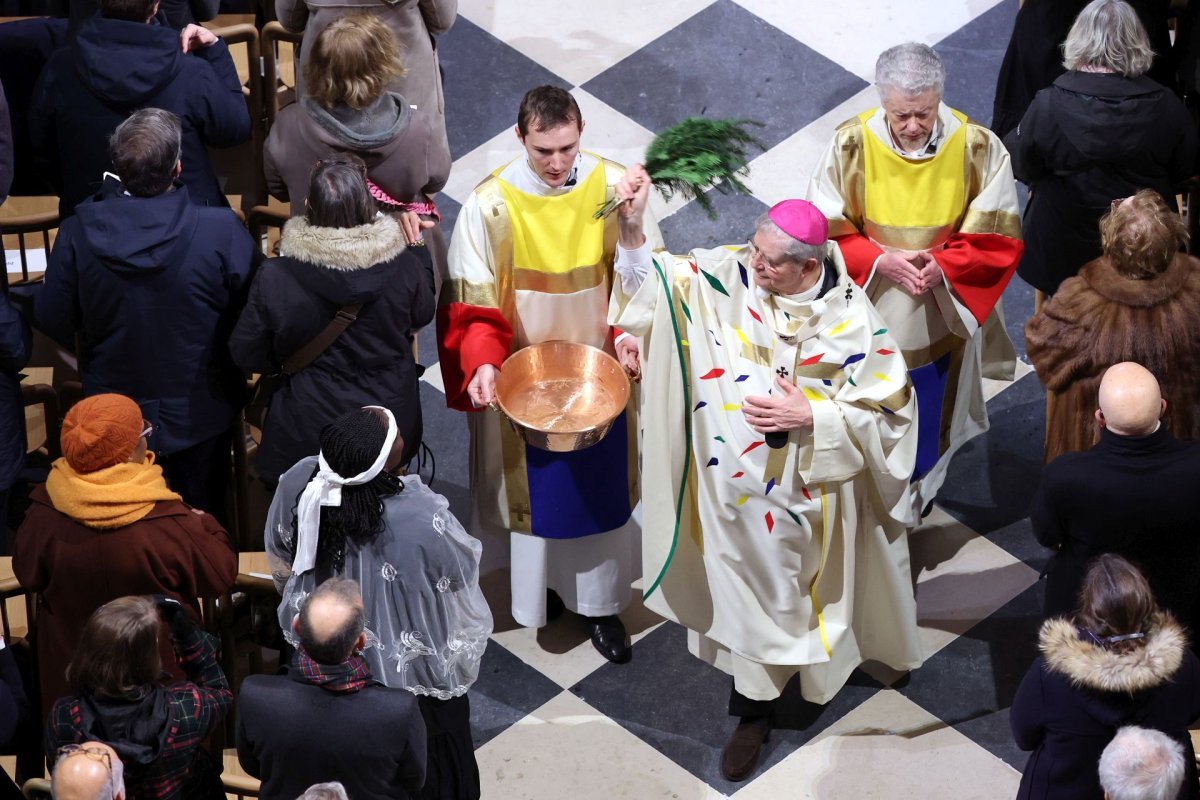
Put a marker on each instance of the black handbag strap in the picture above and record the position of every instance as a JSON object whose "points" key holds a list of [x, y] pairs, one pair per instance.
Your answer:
{"points": [[320, 343]]}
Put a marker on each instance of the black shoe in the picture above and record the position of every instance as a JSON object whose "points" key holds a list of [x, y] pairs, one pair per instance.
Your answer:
{"points": [[610, 639], [740, 756], [554, 605]]}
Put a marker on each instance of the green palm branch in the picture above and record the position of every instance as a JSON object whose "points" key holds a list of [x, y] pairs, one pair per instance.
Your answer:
{"points": [[697, 155]]}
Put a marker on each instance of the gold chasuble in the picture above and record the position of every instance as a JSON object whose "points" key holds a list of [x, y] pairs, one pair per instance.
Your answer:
{"points": [[959, 205], [526, 268]]}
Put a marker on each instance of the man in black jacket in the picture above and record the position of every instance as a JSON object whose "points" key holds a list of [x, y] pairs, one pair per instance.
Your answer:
{"points": [[123, 60], [326, 719], [152, 284], [1135, 493]]}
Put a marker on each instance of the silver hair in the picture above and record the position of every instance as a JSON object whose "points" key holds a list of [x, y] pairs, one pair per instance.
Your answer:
{"points": [[325, 791], [795, 250], [1108, 34], [1141, 764], [910, 68]]}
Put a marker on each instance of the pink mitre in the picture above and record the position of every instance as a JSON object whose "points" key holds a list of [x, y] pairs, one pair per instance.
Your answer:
{"points": [[800, 220]]}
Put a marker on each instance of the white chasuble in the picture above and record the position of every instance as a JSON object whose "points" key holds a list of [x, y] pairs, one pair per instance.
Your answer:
{"points": [[780, 559]]}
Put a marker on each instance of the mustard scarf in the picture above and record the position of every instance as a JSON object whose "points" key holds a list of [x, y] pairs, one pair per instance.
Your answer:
{"points": [[111, 497]]}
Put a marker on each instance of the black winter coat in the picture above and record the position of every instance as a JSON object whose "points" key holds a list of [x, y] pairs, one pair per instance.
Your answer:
{"points": [[114, 68], [152, 285], [1138, 497], [294, 298], [1076, 695], [1089, 139]]}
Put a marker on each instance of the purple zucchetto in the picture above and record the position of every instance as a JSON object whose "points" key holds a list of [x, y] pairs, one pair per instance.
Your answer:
{"points": [[801, 220]]}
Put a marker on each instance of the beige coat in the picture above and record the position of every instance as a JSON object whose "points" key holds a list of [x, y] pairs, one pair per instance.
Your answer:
{"points": [[415, 23]]}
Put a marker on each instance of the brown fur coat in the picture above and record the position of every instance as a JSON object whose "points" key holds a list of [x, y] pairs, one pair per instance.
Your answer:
{"points": [[1100, 318]]}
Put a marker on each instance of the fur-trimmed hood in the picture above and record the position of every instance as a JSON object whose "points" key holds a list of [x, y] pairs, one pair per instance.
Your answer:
{"points": [[1090, 666], [344, 249]]}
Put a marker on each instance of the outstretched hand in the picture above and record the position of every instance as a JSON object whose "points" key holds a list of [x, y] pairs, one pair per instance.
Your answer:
{"points": [[482, 388], [789, 410], [634, 189]]}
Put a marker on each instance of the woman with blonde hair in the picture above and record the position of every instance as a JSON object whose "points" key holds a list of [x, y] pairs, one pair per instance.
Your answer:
{"points": [[348, 108], [1103, 130], [1140, 301], [1120, 660]]}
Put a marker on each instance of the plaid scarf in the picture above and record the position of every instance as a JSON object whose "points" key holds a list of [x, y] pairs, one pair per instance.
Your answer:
{"points": [[349, 676]]}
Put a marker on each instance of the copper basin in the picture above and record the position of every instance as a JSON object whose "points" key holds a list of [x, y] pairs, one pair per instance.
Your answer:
{"points": [[561, 396]]}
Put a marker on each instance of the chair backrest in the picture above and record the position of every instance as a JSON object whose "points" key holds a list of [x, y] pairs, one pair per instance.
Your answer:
{"points": [[276, 91], [265, 225], [25, 228], [241, 167], [36, 789]]}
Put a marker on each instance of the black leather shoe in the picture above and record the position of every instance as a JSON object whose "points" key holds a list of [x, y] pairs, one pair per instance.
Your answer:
{"points": [[610, 639], [740, 756], [554, 605]]}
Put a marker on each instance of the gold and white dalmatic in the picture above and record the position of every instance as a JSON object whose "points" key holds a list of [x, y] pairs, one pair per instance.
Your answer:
{"points": [[777, 560]]}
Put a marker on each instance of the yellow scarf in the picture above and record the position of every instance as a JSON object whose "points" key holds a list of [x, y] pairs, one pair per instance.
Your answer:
{"points": [[111, 497]]}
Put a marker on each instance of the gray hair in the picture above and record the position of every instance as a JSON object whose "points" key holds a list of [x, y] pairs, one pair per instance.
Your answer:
{"points": [[795, 250], [1141, 764], [144, 150], [325, 791], [1108, 34], [113, 788], [910, 68]]}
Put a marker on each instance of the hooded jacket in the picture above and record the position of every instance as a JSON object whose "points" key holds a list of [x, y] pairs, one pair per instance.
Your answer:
{"points": [[1077, 694], [397, 145], [152, 285], [1089, 139], [295, 296], [116, 67]]}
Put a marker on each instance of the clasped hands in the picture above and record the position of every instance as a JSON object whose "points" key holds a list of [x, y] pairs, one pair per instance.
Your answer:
{"points": [[915, 270], [786, 411]]}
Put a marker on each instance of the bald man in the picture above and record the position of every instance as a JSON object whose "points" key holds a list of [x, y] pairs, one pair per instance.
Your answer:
{"points": [[1135, 493], [90, 771], [327, 719]]}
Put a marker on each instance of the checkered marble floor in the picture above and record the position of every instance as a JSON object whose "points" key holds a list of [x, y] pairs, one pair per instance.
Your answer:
{"points": [[551, 717]]}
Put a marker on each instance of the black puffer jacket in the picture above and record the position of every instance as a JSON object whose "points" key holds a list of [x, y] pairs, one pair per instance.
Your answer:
{"points": [[292, 300], [1089, 139]]}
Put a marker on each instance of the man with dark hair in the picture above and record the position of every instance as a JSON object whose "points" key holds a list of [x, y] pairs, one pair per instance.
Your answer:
{"points": [[151, 285], [121, 60], [329, 688], [529, 263]]}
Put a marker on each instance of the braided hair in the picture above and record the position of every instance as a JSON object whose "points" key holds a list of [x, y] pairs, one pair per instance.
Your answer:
{"points": [[350, 444]]}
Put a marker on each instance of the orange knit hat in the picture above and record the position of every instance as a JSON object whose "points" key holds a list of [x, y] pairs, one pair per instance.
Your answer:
{"points": [[101, 431]]}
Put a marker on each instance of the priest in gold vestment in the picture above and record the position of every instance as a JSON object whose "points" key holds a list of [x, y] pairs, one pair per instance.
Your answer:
{"points": [[529, 263], [779, 438], [922, 202]]}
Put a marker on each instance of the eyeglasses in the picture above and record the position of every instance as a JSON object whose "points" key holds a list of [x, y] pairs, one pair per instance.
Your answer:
{"points": [[149, 430], [94, 753]]}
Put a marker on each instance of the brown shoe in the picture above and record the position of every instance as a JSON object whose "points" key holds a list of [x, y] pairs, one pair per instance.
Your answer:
{"points": [[740, 756]]}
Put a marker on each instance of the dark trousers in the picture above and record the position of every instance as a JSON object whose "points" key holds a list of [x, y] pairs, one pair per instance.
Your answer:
{"points": [[200, 474], [742, 706], [452, 772]]}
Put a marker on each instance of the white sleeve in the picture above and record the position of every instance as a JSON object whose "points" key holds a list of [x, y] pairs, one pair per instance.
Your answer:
{"points": [[632, 266]]}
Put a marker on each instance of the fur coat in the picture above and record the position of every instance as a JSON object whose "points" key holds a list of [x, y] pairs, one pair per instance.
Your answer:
{"points": [[1100, 318], [1077, 694]]}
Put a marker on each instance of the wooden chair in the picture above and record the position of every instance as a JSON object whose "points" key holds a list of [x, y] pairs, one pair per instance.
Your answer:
{"points": [[24, 227], [241, 166], [276, 93]]}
